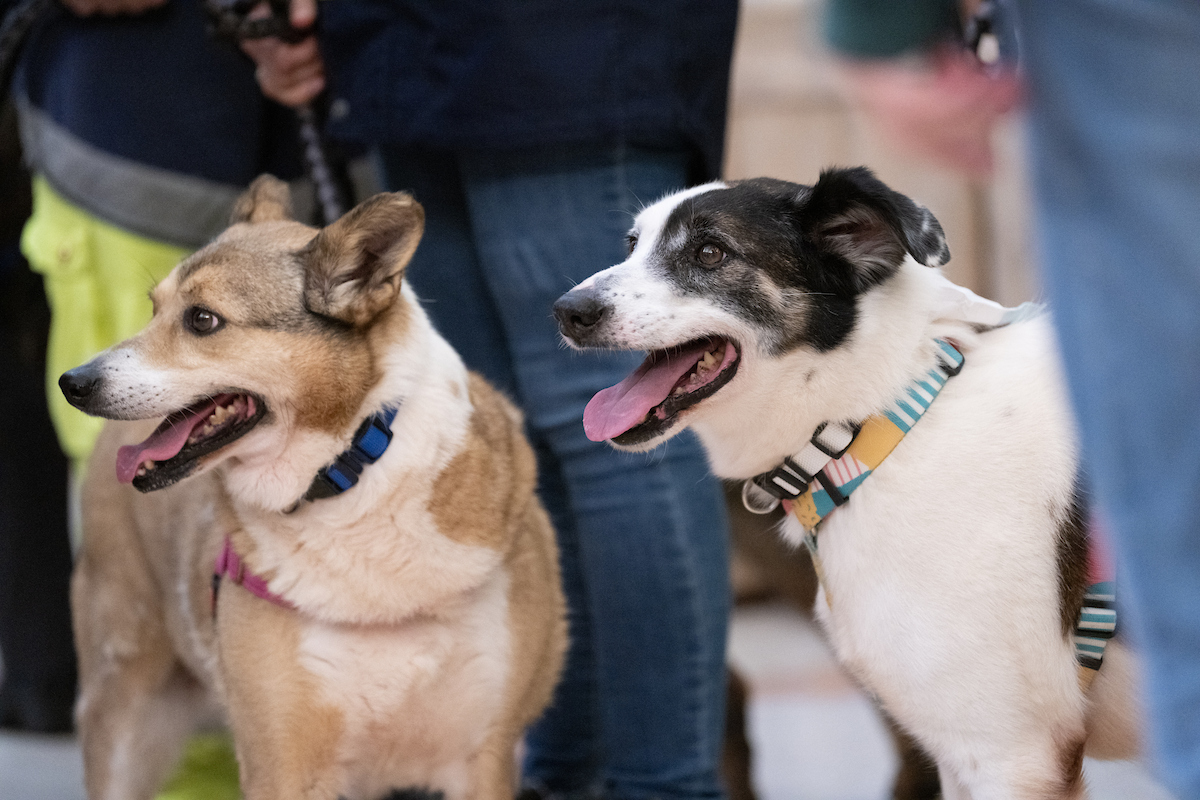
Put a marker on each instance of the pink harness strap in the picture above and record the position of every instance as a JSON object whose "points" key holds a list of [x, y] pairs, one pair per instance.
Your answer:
{"points": [[229, 564]]}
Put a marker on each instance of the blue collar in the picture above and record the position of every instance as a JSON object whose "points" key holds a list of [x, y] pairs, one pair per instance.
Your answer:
{"points": [[370, 441]]}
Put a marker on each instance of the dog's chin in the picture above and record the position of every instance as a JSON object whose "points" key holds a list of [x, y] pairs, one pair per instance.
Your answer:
{"points": [[641, 439], [210, 440]]}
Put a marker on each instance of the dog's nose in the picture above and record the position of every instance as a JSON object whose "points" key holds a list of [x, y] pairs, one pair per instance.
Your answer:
{"points": [[578, 313], [78, 385]]}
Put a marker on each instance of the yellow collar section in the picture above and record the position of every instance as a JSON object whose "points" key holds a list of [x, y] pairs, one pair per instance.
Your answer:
{"points": [[878, 436], [876, 439]]}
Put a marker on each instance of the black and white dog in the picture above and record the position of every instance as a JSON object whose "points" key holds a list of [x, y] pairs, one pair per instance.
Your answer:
{"points": [[953, 580]]}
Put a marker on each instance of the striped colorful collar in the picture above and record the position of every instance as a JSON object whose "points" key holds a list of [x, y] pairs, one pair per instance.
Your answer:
{"points": [[840, 456], [1097, 622]]}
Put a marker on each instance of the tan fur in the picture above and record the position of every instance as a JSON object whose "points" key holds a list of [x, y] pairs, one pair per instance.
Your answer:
{"points": [[1070, 761], [346, 283], [1115, 722], [265, 200], [429, 625], [293, 748], [465, 501]]}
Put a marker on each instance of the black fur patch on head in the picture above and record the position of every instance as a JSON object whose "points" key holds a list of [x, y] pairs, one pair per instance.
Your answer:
{"points": [[857, 214], [795, 258]]}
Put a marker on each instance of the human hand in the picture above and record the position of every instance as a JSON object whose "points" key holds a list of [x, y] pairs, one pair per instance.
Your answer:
{"points": [[944, 112], [110, 8], [291, 74]]}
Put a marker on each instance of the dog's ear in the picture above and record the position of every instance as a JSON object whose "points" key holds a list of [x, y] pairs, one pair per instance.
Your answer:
{"points": [[851, 214], [353, 268], [267, 200]]}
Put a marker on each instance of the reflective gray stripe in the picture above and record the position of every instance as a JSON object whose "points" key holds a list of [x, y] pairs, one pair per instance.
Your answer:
{"points": [[157, 203]]}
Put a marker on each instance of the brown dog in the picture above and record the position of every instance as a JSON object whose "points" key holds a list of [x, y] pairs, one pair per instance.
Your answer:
{"points": [[399, 633]]}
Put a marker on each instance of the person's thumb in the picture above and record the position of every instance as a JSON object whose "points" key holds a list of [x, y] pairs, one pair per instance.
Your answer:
{"points": [[302, 13]]}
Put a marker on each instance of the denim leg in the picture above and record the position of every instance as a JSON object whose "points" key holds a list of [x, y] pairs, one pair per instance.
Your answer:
{"points": [[650, 528], [564, 748], [1115, 130], [446, 275], [445, 271]]}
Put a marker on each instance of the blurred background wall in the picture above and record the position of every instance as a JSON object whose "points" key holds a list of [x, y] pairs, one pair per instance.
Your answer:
{"points": [[787, 120]]}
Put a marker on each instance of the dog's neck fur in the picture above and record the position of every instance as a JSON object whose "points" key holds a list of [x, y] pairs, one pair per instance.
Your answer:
{"points": [[799, 391], [420, 369], [416, 368]]}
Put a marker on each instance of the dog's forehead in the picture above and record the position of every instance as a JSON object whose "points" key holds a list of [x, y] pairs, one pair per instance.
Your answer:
{"points": [[651, 220], [738, 208], [248, 268]]}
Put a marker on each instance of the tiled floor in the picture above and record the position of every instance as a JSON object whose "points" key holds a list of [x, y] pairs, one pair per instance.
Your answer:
{"points": [[814, 736], [40, 768]]}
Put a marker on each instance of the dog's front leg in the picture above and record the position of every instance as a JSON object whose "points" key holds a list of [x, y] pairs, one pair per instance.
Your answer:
{"points": [[1025, 774], [137, 704], [493, 774], [952, 789], [286, 736]]}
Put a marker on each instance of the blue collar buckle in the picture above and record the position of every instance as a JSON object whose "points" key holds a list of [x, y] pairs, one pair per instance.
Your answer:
{"points": [[369, 443]]}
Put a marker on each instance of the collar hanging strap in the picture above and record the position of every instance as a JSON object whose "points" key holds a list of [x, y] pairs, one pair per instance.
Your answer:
{"points": [[370, 441], [230, 565], [1097, 622]]}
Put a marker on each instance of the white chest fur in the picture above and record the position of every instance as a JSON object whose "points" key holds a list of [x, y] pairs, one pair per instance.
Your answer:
{"points": [[951, 543], [418, 698]]}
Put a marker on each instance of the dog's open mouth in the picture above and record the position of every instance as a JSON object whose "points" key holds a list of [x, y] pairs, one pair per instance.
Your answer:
{"points": [[668, 382], [172, 451]]}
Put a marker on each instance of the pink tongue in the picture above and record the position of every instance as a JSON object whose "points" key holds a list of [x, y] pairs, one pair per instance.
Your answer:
{"points": [[618, 408], [162, 444]]}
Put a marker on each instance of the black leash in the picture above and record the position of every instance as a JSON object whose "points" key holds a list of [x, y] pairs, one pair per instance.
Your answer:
{"points": [[230, 19]]}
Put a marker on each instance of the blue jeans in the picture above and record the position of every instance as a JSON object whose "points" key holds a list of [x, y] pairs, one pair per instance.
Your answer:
{"points": [[1115, 135], [639, 711]]}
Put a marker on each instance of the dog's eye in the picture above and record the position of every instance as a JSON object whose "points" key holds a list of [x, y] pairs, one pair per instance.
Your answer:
{"points": [[710, 255], [201, 320], [631, 240]]}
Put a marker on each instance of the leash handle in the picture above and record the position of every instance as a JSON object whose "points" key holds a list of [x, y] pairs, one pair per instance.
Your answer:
{"points": [[231, 19]]}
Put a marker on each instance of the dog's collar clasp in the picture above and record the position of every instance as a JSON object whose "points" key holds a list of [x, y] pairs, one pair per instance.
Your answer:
{"points": [[762, 493], [369, 443], [839, 456]]}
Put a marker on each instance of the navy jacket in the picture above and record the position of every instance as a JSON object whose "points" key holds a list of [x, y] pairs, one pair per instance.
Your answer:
{"points": [[147, 122], [468, 74]]}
